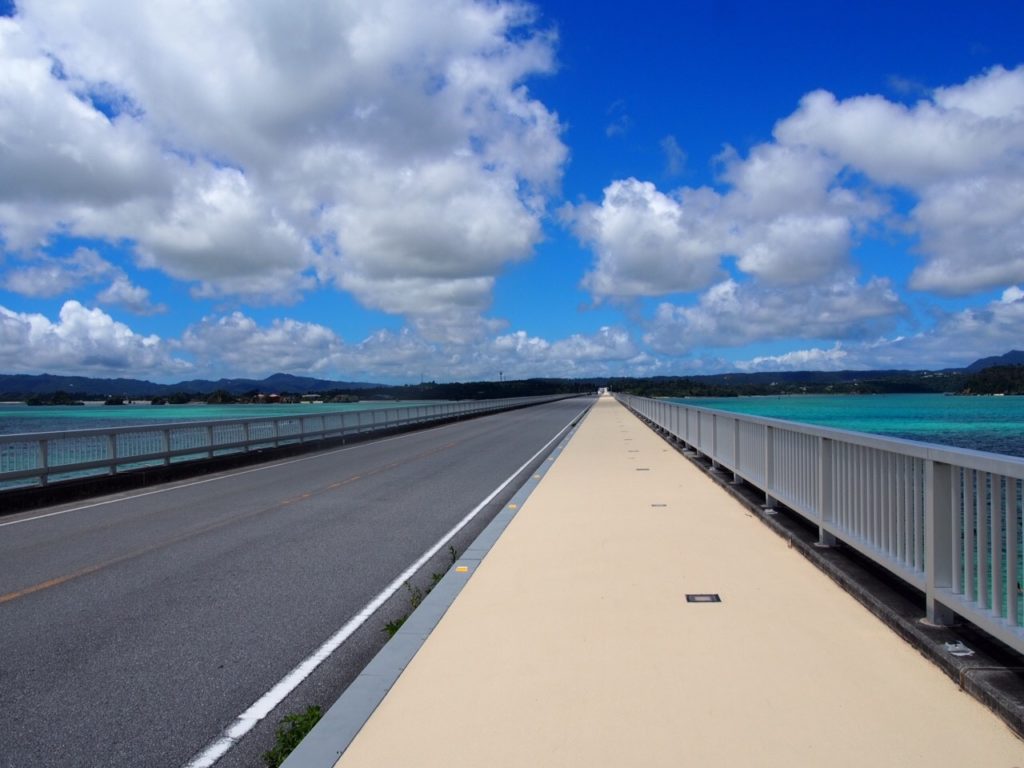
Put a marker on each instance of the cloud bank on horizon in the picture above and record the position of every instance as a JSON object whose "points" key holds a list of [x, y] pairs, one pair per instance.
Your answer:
{"points": [[232, 188]]}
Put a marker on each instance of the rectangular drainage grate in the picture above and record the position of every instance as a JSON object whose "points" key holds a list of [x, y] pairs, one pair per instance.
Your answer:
{"points": [[709, 597]]}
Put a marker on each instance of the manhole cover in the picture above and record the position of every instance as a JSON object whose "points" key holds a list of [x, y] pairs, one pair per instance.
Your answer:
{"points": [[709, 597]]}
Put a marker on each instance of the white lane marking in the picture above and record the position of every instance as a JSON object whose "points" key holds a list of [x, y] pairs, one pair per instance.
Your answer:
{"points": [[263, 706], [225, 476]]}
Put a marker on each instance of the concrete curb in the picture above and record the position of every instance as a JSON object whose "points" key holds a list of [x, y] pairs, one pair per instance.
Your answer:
{"points": [[329, 739]]}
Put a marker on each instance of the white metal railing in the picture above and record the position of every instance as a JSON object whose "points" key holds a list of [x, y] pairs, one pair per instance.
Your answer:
{"points": [[40, 458], [946, 520]]}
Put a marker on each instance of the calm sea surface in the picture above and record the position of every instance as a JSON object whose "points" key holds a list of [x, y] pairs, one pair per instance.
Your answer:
{"points": [[18, 418], [983, 423]]}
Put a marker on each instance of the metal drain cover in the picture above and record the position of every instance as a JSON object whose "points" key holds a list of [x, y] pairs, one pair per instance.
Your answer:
{"points": [[709, 597]]}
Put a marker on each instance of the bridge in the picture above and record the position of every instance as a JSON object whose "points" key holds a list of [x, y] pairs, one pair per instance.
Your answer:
{"points": [[626, 610], [623, 607]]}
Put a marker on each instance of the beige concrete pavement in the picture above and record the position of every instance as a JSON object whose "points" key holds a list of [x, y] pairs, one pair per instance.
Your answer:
{"points": [[573, 644]]}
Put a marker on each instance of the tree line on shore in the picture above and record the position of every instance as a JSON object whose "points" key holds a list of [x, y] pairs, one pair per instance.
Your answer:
{"points": [[997, 379]]}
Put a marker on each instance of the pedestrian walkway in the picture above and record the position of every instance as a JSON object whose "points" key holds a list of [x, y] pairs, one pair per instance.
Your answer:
{"points": [[573, 643]]}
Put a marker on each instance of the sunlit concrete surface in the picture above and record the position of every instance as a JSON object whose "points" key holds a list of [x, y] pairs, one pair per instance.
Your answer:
{"points": [[573, 644]]}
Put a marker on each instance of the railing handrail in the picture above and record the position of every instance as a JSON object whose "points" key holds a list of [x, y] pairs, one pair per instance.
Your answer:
{"points": [[12, 437], [46, 457], [968, 457], [946, 520]]}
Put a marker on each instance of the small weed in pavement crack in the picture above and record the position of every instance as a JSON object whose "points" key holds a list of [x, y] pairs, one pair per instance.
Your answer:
{"points": [[293, 728], [416, 595]]}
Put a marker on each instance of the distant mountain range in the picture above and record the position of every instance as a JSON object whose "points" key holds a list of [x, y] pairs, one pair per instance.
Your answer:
{"points": [[20, 386], [17, 386], [1013, 357]]}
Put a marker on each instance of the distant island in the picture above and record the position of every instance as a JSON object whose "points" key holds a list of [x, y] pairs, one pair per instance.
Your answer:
{"points": [[56, 398], [1002, 375], [996, 380]]}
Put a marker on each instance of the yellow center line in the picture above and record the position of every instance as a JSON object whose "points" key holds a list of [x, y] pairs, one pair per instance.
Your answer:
{"points": [[129, 556], [58, 580], [50, 583]]}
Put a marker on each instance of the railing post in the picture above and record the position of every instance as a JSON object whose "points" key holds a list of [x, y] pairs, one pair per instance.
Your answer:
{"points": [[736, 479], [938, 538], [112, 449], [769, 469], [209, 441], [825, 511], [44, 462], [167, 446]]}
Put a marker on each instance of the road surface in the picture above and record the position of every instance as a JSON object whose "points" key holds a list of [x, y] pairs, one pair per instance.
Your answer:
{"points": [[135, 628]]}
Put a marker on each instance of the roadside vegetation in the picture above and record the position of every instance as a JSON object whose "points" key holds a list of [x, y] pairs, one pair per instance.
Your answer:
{"points": [[416, 595], [998, 380], [294, 727], [292, 730]]}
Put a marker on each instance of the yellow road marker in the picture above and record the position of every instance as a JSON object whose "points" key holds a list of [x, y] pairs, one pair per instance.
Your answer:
{"points": [[462, 569]]}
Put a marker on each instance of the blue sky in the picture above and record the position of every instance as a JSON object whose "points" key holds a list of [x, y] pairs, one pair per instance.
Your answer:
{"points": [[447, 190]]}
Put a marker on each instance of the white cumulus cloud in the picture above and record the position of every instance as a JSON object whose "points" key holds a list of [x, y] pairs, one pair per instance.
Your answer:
{"points": [[960, 153], [792, 210], [259, 150], [58, 153], [731, 314], [47, 276], [814, 359], [82, 341], [649, 243], [235, 342], [955, 340], [783, 218], [123, 293]]}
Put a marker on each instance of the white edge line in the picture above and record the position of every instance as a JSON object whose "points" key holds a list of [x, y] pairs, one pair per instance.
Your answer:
{"points": [[225, 476], [263, 706]]}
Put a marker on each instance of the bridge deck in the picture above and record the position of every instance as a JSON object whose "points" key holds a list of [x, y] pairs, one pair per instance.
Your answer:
{"points": [[573, 642]]}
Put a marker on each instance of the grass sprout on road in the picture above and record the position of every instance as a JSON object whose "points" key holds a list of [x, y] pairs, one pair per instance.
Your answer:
{"points": [[416, 595], [292, 730]]}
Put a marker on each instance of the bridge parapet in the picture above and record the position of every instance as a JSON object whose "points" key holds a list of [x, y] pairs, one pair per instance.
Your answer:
{"points": [[41, 458], [945, 520]]}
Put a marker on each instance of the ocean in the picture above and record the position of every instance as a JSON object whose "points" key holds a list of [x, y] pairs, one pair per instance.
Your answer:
{"points": [[993, 424]]}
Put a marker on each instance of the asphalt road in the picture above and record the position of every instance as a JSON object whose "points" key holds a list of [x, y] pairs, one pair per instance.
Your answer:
{"points": [[135, 628]]}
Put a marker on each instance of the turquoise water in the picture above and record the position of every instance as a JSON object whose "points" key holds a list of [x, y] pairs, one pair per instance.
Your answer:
{"points": [[983, 423], [16, 418]]}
